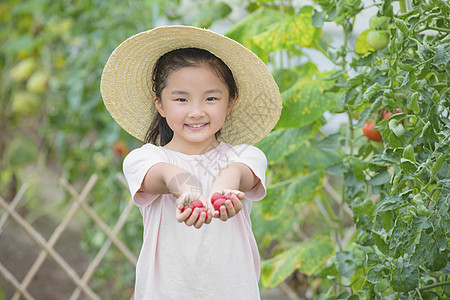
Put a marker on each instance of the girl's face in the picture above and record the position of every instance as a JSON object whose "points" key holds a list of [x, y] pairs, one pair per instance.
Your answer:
{"points": [[195, 103]]}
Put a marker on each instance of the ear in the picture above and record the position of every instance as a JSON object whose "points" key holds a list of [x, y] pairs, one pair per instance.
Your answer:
{"points": [[159, 107], [230, 106]]}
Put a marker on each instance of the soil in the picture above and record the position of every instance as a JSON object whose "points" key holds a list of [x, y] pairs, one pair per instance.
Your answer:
{"points": [[19, 252]]}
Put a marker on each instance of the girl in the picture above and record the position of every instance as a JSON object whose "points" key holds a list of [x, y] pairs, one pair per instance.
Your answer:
{"points": [[198, 100]]}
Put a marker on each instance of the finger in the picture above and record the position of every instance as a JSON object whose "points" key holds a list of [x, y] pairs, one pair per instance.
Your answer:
{"points": [[201, 220], [230, 208], [193, 218], [223, 213], [182, 216], [209, 216], [240, 195], [237, 205]]}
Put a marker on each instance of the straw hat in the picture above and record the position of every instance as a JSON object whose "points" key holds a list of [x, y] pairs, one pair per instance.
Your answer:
{"points": [[126, 84]]}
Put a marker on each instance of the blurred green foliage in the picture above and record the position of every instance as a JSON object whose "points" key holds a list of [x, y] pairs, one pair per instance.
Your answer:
{"points": [[362, 219]]}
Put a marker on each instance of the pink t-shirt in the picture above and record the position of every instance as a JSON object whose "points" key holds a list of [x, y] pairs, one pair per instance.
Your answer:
{"points": [[218, 261]]}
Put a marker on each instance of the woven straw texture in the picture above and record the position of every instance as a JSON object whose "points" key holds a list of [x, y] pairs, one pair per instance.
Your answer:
{"points": [[126, 82]]}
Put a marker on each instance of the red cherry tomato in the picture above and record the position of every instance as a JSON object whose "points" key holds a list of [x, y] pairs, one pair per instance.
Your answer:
{"points": [[371, 133]]}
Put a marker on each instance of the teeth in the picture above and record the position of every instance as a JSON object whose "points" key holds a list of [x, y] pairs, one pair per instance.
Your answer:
{"points": [[196, 126]]}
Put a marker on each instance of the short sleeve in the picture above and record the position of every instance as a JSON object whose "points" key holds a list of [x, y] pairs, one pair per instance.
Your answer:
{"points": [[135, 167], [256, 160]]}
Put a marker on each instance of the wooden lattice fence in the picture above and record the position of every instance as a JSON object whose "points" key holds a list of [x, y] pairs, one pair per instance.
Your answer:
{"points": [[9, 213]]}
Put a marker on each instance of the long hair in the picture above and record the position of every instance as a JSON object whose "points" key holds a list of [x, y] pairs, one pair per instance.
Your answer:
{"points": [[159, 131]]}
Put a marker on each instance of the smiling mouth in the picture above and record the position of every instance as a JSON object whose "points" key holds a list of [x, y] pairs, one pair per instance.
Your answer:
{"points": [[197, 125]]}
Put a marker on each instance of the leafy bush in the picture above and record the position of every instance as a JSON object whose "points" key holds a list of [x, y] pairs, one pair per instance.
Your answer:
{"points": [[395, 193]]}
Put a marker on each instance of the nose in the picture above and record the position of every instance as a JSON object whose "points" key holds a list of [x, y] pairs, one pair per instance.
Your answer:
{"points": [[196, 110]]}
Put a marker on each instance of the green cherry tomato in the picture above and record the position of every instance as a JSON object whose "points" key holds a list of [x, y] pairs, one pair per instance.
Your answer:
{"points": [[378, 22], [378, 39]]}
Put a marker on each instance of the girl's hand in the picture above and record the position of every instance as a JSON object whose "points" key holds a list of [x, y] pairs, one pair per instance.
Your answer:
{"points": [[232, 206], [195, 219]]}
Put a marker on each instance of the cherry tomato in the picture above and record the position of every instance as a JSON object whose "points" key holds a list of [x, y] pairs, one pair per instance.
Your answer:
{"points": [[378, 39], [218, 203], [216, 196], [120, 148], [371, 133], [378, 22]]}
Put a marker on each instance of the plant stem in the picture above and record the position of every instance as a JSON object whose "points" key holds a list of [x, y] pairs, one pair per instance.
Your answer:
{"points": [[437, 284], [402, 6]]}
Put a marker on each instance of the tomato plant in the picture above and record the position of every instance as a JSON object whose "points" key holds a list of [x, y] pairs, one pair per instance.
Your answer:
{"points": [[340, 209]]}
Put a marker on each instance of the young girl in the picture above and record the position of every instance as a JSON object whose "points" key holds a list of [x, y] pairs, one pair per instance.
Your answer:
{"points": [[198, 100]]}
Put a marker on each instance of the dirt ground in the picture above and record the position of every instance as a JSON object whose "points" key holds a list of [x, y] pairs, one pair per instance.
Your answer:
{"points": [[19, 251]]}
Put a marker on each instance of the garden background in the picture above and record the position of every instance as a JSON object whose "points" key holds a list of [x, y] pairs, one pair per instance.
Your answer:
{"points": [[352, 211]]}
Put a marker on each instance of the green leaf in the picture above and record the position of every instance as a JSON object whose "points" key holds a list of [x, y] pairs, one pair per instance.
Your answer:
{"points": [[306, 101], [331, 142], [441, 231], [361, 46], [373, 260], [295, 31], [413, 104], [282, 142], [442, 56], [422, 249], [308, 257], [312, 157], [24, 42], [440, 159], [402, 236], [345, 262], [428, 132], [427, 251], [362, 206], [442, 5], [376, 273], [408, 153], [380, 178], [285, 78], [380, 242], [254, 24], [206, 16], [408, 166], [358, 166], [266, 230], [397, 127], [295, 190], [371, 91], [318, 18], [420, 223], [386, 219], [272, 206], [401, 25], [390, 203], [443, 207], [405, 277]]}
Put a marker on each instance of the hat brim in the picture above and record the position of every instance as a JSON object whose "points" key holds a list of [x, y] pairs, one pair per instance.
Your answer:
{"points": [[126, 85]]}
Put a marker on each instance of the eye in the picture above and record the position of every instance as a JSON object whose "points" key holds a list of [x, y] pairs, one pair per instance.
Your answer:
{"points": [[181, 100], [211, 99]]}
